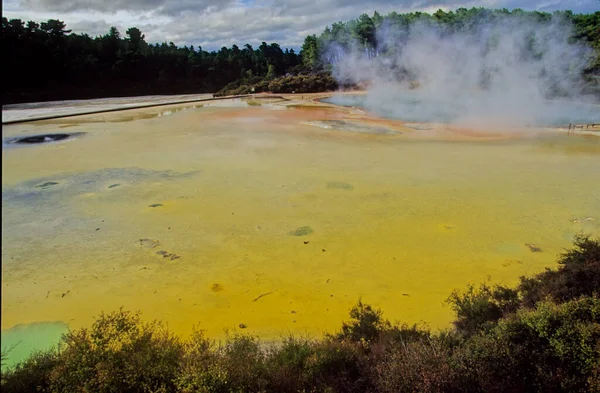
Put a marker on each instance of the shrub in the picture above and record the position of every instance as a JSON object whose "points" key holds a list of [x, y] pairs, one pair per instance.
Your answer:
{"points": [[366, 324], [235, 366], [288, 366], [337, 367], [418, 366], [118, 354], [479, 308], [198, 371], [554, 348], [32, 375], [301, 83], [578, 274]]}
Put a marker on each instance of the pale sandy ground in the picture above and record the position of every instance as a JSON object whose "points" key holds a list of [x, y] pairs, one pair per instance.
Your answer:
{"points": [[54, 108]]}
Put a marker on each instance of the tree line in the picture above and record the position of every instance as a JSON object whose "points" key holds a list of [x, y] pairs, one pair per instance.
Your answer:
{"points": [[365, 32], [45, 61]]}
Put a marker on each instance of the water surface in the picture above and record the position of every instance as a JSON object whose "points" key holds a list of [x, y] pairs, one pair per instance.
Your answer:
{"points": [[476, 108], [221, 216]]}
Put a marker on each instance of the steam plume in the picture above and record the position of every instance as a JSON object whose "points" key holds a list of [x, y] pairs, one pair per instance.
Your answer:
{"points": [[497, 71]]}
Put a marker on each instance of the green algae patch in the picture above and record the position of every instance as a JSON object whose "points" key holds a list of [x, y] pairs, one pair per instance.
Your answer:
{"points": [[302, 231], [22, 340]]}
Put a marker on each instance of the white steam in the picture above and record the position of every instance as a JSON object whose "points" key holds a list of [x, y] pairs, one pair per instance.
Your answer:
{"points": [[499, 72]]}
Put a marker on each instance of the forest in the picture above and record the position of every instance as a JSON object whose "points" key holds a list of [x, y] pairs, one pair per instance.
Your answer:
{"points": [[46, 61]]}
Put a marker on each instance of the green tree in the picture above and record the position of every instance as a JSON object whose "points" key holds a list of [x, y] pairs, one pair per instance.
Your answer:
{"points": [[310, 52], [136, 39]]}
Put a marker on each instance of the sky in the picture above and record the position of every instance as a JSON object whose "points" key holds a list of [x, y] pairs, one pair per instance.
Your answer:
{"points": [[212, 24]]}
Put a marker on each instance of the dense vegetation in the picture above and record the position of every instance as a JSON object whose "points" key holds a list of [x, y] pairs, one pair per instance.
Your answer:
{"points": [[44, 61], [542, 336], [366, 32], [77, 65]]}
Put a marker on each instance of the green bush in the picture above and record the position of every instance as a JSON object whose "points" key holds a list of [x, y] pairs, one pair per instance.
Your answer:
{"points": [[235, 366], [118, 354], [554, 348], [32, 375], [578, 275], [365, 325], [311, 83], [337, 367], [479, 308], [301, 83], [287, 365], [417, 366]]}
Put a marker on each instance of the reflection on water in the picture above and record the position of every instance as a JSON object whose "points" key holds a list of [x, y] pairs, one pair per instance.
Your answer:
{"points": [[218, 217]]}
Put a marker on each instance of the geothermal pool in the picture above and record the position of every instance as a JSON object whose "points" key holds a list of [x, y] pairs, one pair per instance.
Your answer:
{"points": [[475, 108], [275, 214]]}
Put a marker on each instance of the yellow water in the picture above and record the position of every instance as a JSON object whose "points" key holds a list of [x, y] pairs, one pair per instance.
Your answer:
{"points": [[399, 220]]}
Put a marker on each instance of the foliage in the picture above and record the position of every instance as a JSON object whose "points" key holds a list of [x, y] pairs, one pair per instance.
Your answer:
{"points": [[385, 36], [365, 324], [32, 375], [313, 82], [418, 366], [364, 31], [578, 275], [553, 348], [46, 61], [118, 354], [479, 308]]}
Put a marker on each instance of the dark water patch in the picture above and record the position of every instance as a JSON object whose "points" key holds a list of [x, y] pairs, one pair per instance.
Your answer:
{"points": [[73, 184], [302, 231], [148, 243], [46, 184], [43, 138], [155, 205], [354, 127], [169, 255]]}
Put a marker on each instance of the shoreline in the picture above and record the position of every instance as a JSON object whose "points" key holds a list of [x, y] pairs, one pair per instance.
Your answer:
{"points": [[123, 103], [119, 104]]}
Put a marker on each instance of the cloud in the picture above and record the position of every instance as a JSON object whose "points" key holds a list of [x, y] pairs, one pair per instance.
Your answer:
{"points": [[216, 23], [169, 7], [91, 27]]}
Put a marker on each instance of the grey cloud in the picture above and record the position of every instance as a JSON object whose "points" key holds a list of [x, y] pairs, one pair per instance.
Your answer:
{"points": [[168, 7], [92, 27], [241, 25], [216, 23]]}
